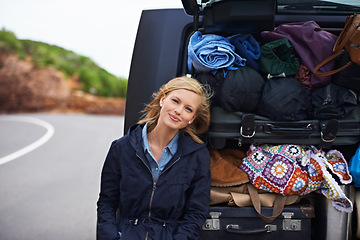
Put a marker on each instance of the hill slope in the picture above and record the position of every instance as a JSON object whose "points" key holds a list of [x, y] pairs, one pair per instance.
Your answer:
{"points": [[30, 81]]}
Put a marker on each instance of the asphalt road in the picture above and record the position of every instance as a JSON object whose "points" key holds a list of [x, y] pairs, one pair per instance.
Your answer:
{"points": [[50, 167]]}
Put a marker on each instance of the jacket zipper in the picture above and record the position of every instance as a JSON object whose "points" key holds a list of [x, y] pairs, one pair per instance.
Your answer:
{"points": [[154, 185], [152, 194]]}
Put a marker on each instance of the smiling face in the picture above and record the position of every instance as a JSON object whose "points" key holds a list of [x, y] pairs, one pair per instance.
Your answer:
{"points": [[179, 108]]}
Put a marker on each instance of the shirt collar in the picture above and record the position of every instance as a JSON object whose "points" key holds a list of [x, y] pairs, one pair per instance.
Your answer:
{"points": [[172, 146]]}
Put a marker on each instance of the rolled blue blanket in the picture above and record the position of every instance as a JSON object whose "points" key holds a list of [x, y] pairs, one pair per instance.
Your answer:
{"points": [[208, 53]]}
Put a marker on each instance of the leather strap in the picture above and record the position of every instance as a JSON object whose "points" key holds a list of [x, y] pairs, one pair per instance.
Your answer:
{"points": [[279, 204], [248, 126], [247, 129], [345, 33], [327, 60], [351, 24]]}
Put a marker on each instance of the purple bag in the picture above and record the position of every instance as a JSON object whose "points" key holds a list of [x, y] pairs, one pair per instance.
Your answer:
{"points": [[310, 42]]}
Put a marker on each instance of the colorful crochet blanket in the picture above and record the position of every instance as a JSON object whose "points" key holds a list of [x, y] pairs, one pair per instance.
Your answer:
{"points": [[293, 169]]}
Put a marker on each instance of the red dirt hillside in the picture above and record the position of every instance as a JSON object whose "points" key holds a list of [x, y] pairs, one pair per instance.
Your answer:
{"points": [[24, 88]]}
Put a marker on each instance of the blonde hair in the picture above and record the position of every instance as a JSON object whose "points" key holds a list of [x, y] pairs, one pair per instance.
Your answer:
{"points": [[199, 125]]}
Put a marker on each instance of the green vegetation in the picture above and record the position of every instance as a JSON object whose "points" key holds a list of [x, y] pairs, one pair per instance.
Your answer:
{"points": [[93, 79]]}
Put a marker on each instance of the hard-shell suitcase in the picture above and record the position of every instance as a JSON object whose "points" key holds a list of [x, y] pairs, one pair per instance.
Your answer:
{"points": [[327, 217], [251, 128], [233, 223]]}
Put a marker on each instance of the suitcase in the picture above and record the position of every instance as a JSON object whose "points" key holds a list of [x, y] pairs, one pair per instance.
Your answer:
{"points": [[233, 223], [251, 128], [328, 217]]}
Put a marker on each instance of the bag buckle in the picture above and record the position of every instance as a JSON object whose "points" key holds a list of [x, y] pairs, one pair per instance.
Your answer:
{"points": [[326, 140], [246, 136], [328, 135], [247, 129]]}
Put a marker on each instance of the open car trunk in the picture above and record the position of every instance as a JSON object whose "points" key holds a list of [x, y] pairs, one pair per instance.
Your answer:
{"points": [[161, 53]]}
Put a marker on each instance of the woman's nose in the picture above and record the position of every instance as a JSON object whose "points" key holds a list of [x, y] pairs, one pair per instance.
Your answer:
{"points": [[178, 110]]}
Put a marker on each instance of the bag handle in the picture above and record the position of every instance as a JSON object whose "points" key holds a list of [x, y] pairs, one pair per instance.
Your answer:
{"points": [[327, 60], [303, 131], [234, 229], [342, 39], [338, 48], [279, 204]]}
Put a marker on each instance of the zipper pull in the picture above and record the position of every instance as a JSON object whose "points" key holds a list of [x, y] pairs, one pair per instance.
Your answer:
{"points": [[154, 186]]}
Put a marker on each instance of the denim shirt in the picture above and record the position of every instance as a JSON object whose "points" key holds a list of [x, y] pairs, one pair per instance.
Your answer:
{"points": [[167, 153]]}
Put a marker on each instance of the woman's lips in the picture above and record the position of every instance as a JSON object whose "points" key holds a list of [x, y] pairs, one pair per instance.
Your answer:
{"points": [[174, 118]]}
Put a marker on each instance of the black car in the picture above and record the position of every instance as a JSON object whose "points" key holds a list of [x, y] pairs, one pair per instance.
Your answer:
{"points": [[160, 54]]}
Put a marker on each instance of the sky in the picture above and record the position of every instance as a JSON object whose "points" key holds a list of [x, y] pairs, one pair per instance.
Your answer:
{"points": [[104, 31]]}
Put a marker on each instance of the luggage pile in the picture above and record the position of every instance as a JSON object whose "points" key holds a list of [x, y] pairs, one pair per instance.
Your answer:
{"points": [[272, 92], [277, 129]]}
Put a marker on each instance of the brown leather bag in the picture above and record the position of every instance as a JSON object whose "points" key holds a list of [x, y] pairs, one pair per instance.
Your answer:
{"points": [[348, 40], [246, 195]]}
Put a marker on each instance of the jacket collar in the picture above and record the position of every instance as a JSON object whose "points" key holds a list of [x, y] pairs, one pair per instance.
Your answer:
{"points": [[186, 144]]}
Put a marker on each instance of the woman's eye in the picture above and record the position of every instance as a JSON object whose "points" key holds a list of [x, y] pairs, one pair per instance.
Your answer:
{"points": [[188, 109], [175, 100]]}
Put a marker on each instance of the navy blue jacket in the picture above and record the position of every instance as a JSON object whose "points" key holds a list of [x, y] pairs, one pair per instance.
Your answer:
{"points": [[172, 207]]}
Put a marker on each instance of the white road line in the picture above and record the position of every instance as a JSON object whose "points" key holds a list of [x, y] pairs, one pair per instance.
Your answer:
{"points": [[49, 133]]}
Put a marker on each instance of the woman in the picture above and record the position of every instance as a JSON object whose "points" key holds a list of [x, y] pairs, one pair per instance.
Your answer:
{"points": [[155, 182]]}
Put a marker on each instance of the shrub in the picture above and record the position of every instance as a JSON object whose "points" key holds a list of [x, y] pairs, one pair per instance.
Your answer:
{"points": [[94, 80]]}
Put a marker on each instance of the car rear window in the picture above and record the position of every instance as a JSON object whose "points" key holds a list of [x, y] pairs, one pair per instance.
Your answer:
{"points": [[328, 7]]}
